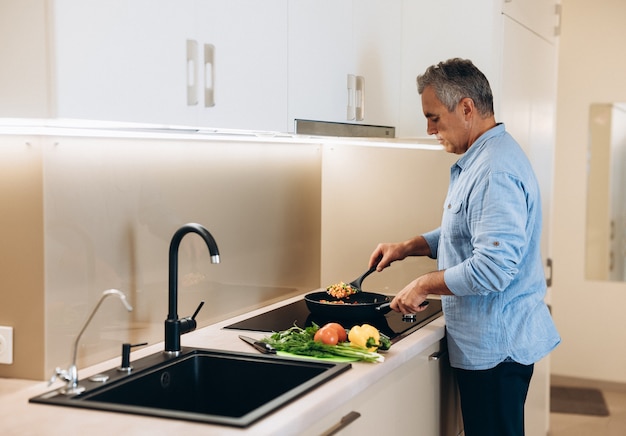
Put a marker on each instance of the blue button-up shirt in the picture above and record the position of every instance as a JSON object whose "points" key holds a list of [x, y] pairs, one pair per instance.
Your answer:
{"points": [[489, 246]]}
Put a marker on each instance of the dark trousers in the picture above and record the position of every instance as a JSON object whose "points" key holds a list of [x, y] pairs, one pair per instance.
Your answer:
{"points": [[492, 400]]}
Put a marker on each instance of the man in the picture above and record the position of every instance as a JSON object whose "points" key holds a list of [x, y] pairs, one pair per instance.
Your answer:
{"points": [[490, 273]]}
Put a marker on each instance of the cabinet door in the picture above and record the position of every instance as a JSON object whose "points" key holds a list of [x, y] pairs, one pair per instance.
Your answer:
{"points": [[529, 68], [247, 74], [536, 15], [376, 52], [528, 110], [330, 40], [437, 31], [121, 60], [407, 401], [134, 61], [320, 57], [24, 72]]}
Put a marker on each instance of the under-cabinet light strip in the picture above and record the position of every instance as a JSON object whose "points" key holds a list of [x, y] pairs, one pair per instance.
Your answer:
{"points": [[61, 127]]}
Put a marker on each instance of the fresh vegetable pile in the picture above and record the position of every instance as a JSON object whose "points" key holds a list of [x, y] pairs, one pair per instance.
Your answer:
{"points": [[360, 343]]}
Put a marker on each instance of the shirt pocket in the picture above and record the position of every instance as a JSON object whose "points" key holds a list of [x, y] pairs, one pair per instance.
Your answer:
{"points": [[454, 222]]}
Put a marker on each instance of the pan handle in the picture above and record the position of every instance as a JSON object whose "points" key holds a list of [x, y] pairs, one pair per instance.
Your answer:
{"points": [[386, 307]]}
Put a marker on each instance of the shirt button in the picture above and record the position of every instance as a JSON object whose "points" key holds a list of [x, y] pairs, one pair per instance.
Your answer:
{"points": [[496, 244], [449, 206]]}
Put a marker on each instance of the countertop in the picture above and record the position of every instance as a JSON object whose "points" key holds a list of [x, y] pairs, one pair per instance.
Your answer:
{"points": [[19, 417]]}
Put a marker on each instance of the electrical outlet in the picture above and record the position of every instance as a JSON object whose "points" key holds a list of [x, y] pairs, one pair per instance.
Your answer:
{"points": [[6, 345]]}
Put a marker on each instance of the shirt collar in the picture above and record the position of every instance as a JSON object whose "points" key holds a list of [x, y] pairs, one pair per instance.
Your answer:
{"points": [[472, 153]]}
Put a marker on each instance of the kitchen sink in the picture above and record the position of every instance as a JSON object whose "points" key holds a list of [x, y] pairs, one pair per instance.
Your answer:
{"points": [[212, 386]]}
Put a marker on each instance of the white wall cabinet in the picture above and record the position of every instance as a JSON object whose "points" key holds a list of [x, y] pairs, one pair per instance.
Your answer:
{"points": [[249, 70], [330, 40], [408, 401], [254, 65], [376, 58], [128, 61], [120, 61], [388, 44], [320, 39]]}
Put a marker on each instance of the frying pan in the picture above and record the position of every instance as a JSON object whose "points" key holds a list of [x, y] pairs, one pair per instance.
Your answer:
{"points": [[361, 305]]}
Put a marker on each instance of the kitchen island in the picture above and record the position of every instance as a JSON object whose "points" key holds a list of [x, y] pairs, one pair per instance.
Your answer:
{"points": [[405, 391]]}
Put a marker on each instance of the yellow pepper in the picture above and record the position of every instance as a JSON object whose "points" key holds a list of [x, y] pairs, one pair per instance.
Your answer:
{"points": [[365, 336]]}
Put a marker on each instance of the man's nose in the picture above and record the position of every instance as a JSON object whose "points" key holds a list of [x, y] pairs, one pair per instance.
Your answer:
{"points": [[430, 128]]}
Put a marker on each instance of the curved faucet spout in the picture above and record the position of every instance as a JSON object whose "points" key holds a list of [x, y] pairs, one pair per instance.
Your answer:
{"points": [[173, 328], [105, 294], [71, 375]]}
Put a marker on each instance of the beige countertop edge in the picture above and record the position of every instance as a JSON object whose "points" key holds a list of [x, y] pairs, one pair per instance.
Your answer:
{"points": [[18, 416]]}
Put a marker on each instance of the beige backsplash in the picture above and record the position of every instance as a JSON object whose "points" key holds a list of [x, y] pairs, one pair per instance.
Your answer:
{"points": [[110, 207]]}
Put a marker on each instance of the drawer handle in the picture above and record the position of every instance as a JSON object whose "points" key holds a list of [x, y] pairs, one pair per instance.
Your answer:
{"points": [[437, 355], [343, 423]]}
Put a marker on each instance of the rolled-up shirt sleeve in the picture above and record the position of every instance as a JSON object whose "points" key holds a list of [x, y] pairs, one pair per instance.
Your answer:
{"points": [[432, 239]]}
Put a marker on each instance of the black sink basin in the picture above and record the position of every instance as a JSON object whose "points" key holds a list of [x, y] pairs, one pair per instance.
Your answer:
{"points": [[202, 385]]}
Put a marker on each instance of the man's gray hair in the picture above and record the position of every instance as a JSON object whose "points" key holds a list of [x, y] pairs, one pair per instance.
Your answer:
{"points": [[456, 79]]}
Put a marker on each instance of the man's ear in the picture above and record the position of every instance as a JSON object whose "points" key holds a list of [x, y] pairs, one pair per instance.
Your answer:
{"points": [[467, 105]]}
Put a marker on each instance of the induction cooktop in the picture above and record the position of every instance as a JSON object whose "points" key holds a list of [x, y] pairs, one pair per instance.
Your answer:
{"points": [[395, 325]]}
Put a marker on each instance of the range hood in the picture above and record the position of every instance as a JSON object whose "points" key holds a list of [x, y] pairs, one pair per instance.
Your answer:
{"points": [[328, 128]]}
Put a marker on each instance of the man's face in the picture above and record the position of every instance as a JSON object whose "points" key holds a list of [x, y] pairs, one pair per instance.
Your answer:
{"points": [[450, 128]]}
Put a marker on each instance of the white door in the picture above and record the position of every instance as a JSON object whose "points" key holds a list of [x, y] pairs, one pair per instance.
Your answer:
{"points": [[122, 61], [243, 63], [376, 59], [528, 104], [320, 44]]}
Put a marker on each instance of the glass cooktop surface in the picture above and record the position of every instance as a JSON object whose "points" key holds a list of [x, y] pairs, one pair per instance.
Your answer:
{"points": [[393, 324]]}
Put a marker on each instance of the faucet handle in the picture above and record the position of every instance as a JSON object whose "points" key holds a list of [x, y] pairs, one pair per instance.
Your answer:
{"points": [[70, 377], [197, 310], [59, 373], [188, 323]]}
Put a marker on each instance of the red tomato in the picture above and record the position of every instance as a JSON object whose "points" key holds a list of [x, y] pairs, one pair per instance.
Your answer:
{"points": [[342, 336], [326, 335]]}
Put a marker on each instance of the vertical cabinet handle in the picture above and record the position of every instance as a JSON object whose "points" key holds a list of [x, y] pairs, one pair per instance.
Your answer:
{"points": [[343, 423], [360, 98], [209, 75], [356, 98], [192, 72], [351, 106]]}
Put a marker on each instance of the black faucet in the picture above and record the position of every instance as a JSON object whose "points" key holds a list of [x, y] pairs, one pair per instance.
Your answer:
{"points": [[175, 327]]}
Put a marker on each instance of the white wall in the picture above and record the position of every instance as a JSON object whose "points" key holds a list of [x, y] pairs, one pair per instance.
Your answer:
{"points": [[590, 315]]}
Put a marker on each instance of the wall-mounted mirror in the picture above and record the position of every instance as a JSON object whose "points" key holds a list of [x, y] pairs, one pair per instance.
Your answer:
{"points": [[606, 193]]}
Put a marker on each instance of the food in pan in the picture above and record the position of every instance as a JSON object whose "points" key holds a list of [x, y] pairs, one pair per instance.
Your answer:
{"points": [[341, 290], [338, 302]]}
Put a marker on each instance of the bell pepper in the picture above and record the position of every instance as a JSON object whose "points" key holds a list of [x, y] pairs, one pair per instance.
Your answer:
{"points": [[365, 336]]}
